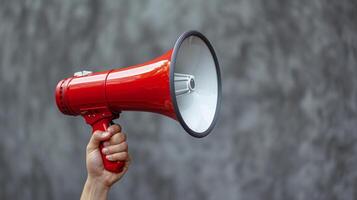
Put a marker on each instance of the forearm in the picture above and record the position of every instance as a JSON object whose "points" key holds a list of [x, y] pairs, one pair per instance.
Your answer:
{"points": [[95, 191]]}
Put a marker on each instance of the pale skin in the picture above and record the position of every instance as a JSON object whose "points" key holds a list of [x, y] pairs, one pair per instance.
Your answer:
{"points": [[100, 180]]}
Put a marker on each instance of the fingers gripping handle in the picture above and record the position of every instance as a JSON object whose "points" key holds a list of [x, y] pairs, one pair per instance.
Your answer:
{"points": [[111, 166]]}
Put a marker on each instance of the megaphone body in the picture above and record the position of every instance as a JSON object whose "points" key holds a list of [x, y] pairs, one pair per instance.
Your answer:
{"points": [[183, 84]]}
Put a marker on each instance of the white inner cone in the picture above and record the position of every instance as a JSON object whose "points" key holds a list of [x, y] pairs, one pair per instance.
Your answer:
{"points": [[196, 84], [184, 83]]}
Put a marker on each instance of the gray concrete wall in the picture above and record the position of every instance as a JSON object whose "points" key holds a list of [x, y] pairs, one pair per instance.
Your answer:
{"points": [[288, 126]]}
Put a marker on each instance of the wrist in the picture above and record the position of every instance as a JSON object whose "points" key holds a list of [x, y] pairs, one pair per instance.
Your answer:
{"points": [[94, 189]]}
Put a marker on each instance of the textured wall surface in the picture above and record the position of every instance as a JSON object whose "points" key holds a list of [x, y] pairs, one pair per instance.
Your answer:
{"points": [[288, 124]]}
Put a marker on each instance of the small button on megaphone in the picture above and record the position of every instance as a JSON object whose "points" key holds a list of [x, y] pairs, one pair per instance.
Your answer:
{"points": [[183, 84]]}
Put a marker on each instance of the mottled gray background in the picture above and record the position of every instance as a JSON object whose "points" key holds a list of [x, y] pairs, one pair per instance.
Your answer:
{"points": [[288, 124]]}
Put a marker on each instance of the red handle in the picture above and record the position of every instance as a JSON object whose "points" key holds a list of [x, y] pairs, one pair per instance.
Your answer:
{"points": [[113, 166]]}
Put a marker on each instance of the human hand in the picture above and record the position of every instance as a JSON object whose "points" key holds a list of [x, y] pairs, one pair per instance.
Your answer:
{"points": [[115, 148]]}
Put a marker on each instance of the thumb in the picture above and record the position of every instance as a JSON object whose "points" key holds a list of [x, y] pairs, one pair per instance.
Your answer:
{"points": [[96, 139]]}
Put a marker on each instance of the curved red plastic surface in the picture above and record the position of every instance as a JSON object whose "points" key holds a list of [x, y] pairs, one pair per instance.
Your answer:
{"points": [[144, 87]]}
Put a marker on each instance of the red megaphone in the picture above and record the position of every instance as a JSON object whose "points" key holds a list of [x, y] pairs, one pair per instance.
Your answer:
{"points": [[183, 84]]}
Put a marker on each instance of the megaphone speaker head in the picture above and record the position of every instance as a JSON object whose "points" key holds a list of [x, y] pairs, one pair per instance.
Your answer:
{"points": [[195, 83], [184, 84]]}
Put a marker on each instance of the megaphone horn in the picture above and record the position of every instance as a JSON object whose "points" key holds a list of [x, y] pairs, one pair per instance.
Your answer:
{"points": [[183, 84]]}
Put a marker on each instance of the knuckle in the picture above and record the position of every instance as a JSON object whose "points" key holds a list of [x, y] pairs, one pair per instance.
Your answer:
{"points": [[116, 149], [97, 132], [114, 139], [115, 128], [125, 145], [113, 149], [123, 136], [96, 135], [118, 127], [125, 155]]}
